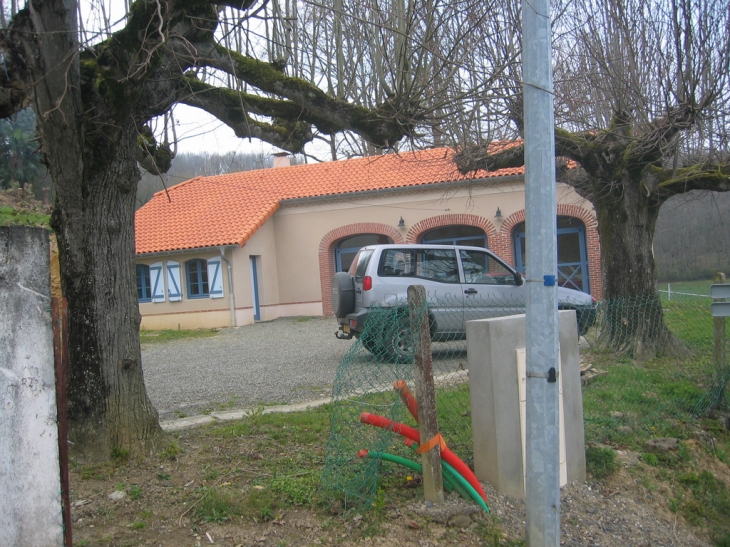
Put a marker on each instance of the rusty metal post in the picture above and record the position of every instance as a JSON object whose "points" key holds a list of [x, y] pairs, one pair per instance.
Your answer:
{"points": [[59, 315], [433, 485]]}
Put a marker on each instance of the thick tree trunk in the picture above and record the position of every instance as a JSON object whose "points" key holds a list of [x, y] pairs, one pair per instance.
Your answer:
{"points": [[108, 407], [633, 319], [91, 160]]}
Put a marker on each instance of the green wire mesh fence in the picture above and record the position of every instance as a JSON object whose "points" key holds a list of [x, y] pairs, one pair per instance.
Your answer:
{"points": [[658, 371], [674, 382]]}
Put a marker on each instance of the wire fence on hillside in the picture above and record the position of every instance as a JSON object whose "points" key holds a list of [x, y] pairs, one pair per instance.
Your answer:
{"points": [[650, 360]]}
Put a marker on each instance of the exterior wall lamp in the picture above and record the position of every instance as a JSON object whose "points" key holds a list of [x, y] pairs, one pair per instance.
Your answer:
{"points": [[498, 214], [401, 223]]}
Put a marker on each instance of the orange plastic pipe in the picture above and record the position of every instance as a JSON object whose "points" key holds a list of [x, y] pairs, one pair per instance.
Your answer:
{"points": [[408, 398], [448, 456]]}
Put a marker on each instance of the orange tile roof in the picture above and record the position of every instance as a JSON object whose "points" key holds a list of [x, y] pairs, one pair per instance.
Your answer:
{"points": [[228, 209]]}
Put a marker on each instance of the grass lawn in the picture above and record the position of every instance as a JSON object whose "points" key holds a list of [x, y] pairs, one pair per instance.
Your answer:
{"points": [[254, 481], [701, 287], [162, 336]]}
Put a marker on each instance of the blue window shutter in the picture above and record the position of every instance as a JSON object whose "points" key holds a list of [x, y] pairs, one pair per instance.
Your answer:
{"points": [[173, 281], [215, 279], [157, 282]]}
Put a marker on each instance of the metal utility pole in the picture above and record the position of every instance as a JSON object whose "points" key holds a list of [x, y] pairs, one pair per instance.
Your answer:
{"points": [[542, 485]]}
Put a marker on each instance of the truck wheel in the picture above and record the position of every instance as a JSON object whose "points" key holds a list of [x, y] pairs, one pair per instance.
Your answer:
{"points": [[398, 344], [371, 342], [343, 294]]}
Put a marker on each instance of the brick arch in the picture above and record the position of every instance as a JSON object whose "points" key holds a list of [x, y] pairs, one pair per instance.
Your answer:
{"points": [[593, 245], [450, 220], [327, 249]]}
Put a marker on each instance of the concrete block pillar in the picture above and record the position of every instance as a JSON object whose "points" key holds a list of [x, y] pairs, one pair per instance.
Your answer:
{"points": [[30, 484], [493, 349]]}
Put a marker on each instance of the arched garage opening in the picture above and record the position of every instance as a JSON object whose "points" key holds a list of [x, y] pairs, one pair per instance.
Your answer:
{"points": [[346, 249], [339, 235], [572, 253], [456, 235]]}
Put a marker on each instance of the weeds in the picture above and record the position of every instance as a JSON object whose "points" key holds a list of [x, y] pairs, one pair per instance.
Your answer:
{"points": [[22, 217], [600, 462], [295, 490], [171, 452], [120, 455], [217, 505], [261, 504]]}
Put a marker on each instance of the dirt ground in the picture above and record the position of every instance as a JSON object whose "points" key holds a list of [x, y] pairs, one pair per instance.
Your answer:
{"points": [[20, 198], [167, 500]]}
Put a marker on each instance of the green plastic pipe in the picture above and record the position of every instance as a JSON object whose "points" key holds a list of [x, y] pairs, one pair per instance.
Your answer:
{"points": [[449, 484], [458, 479]]}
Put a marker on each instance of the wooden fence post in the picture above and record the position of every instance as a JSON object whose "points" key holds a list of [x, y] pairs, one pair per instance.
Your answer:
{"points": [[718, 354], [433, 486]]}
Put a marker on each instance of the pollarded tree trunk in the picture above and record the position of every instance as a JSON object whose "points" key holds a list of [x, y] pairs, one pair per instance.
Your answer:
{"points": [[633, 319], [108, 407]]}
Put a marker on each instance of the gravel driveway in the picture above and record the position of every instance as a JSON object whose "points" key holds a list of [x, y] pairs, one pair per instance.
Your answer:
{"points": [[283, 361]]}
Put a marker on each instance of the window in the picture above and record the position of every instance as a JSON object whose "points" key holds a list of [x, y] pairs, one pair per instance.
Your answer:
{"points": [[483, 269], [434, 264], [197, 274], [360, 264], [144, 286], [346, 249], [572, 253], [456, 235]]}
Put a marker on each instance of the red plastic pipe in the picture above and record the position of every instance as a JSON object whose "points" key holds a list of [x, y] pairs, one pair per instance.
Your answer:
{"points": [[408, 398], [410, 433]]}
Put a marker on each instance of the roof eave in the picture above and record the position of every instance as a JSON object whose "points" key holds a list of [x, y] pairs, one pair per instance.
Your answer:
{"points": [[191, 250], [401, 189]]}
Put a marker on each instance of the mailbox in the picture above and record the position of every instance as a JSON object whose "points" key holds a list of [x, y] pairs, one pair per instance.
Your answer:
{"points": [[720, 290], [717, 291]]}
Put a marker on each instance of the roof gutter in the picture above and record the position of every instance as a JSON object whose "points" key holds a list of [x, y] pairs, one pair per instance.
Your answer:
{"points": [[401, 189], [211, 249]]}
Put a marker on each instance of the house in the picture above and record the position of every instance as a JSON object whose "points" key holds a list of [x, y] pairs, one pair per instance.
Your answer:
{"points": [[232, 249]]}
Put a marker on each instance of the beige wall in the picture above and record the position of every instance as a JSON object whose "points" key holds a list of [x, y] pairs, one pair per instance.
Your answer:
{"points": [[185, 314], [300, 229], [288, 246]]}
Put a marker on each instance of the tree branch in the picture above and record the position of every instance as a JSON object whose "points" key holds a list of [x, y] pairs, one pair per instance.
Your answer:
{"points": [[382, 127], [651, 146], [505, 154], [231, 108], [707, 176]]}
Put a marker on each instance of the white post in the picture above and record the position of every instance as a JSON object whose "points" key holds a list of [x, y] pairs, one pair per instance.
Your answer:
{"points": [[30, 477], [669, 291]]}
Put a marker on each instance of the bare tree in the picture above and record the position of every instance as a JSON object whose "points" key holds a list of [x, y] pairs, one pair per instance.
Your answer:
{"points": [[641, 103], [94, 102]]}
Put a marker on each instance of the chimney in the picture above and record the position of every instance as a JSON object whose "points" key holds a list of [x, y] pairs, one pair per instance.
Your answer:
{"points": [[281, 159]]}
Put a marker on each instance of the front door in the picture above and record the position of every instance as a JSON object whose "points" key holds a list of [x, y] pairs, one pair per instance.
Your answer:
{"points": [[255, 290]]}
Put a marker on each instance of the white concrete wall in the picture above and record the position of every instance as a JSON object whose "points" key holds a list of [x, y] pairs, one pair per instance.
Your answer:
{"points": [[30, 483], [492, 346]]}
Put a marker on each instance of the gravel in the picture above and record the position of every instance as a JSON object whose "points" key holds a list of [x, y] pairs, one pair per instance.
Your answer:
{"points": [[287, 360], [603, 515]]}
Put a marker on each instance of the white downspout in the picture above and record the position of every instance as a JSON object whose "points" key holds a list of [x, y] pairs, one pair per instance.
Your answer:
{"points": [[231, 297]]}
